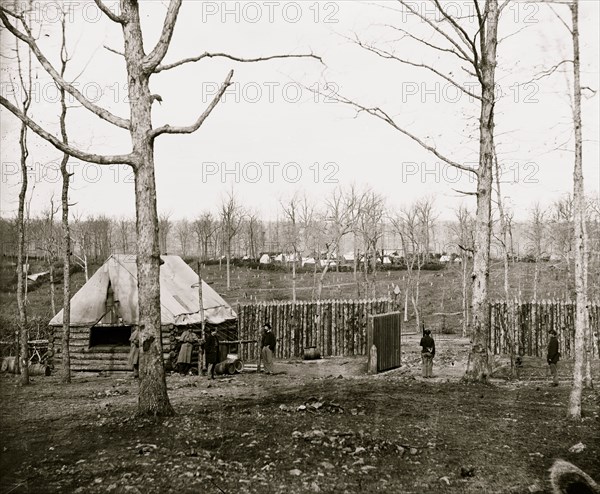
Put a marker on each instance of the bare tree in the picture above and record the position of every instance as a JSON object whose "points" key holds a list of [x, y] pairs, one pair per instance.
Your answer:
{"points": [[141, 65], [81, 241], [340, 217], [561, 219], [254, 234], [464, 239], [292, 233], [536, 234], [205, 228], [505, 218], [24, 69], [232, 214], [164, 228], [580, 231], [412, 224], [51, 248], [475, 47], [369, 224], [66, 232], [123, 227], [183, 235]]}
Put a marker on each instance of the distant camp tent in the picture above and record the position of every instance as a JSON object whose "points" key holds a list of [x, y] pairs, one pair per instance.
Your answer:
{"points": [[308, 261], [104, 312], [349, 257], [265, 259]]}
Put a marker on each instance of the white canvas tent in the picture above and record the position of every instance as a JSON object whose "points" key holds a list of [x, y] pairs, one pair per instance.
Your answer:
{"points": [[178, 296], [104, 312], [265, 259]]}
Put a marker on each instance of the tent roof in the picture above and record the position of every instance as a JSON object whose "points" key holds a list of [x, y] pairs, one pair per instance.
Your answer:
{"points": [[178, 295]]}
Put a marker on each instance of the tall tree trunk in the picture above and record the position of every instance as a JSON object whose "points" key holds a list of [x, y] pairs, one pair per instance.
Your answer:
{"points": [[479, 365], [465, 295], [66, 254], [580, 240], [52, 287], [153, 398], [228, 268], [355, 269], [66, 233], [294, 277], [21, 276]]}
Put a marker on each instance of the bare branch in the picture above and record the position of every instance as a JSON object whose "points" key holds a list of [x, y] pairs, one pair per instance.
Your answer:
{"points": [[112, 50], [458, 28], [438, 29], [465, 193], [127, 159], [110, 14], [156, 56], [169, 66], [379, 113], [391, 56], [548, 72], [28, 39], [427, 43], [167, 129]]}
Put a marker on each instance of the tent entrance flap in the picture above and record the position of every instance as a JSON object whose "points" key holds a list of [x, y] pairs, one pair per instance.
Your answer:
{"points": [[110, 335]]}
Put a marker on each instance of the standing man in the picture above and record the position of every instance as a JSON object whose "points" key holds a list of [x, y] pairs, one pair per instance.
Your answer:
{"points": [[553, 357], [184, 359], [268, 348], [427, 353], [211, 348], [134, 353]]}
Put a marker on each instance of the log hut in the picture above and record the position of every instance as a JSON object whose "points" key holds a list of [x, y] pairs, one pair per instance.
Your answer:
{"points": [[104, 314]]}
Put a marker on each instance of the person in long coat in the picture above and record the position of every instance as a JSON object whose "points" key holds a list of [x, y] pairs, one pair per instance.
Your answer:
{"points": [[184, 359], [268, 348], [211, 349], [427, 353], [553, 356], [134, 353]]}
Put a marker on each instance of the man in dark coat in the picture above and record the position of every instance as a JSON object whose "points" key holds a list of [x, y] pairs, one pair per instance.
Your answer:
{"points": [[427, 353], [553, 357], [268, 348], [134, 353], [184, 359], [211, 348]]}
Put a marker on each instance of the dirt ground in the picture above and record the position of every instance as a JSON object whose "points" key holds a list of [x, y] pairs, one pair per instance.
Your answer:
{"points": [[322, 426]]}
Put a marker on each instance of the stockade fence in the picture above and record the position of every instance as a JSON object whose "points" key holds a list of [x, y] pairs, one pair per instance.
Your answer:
{"points": [[530, 323], [333, 327]]}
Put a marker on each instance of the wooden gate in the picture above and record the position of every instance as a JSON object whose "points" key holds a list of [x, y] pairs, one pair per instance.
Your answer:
{"points": [[384, 333]]}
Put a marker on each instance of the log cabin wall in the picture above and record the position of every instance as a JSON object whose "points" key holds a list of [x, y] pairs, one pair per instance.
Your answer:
{"points": [[102, 354]]}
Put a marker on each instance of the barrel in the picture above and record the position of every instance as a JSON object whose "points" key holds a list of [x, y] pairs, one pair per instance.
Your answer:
{"points": [[39, 370], [311, 353], [238, 365], [225, 368], [9, 364]]}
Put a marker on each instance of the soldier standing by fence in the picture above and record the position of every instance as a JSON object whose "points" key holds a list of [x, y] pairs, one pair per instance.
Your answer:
{"points": [[427, 353], [553, 357], [268, 348]]}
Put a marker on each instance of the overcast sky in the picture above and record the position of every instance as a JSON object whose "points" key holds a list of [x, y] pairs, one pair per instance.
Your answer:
{"points": [[272, 136]]}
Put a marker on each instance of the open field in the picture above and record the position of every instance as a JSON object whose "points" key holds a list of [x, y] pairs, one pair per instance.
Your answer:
{"points": [[441, 291], [393, 432]]}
